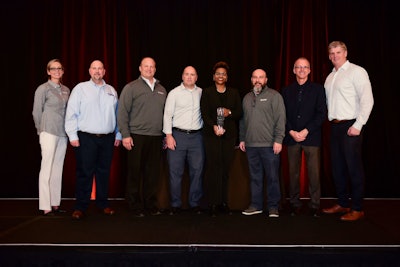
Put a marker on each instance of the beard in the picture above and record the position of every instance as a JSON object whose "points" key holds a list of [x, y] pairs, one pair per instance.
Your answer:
{"points": [[257, 88]]}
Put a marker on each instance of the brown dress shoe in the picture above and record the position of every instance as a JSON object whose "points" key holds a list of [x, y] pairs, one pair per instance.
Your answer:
{"points": [[108, 211], [336, 209], [77, 215], [352, 216]]}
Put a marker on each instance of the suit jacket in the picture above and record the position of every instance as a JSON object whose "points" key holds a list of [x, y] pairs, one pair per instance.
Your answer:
{"points": [[308, 113]]}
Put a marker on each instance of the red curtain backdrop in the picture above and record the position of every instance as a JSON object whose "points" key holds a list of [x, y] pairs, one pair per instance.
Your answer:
{"points": [[247, 34]]}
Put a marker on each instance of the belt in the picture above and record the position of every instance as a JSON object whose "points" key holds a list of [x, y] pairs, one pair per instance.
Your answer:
{"points": [[339, 121], [186, 131], [96, 135]]}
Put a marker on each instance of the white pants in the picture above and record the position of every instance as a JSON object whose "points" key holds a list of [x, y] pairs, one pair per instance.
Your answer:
{"points": [[50, 175]]}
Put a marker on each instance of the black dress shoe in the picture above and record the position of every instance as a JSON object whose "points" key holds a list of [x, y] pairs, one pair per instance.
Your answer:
{"points": [[294, 211], [224, 208], [58, 210], [197, 210], [213, 211], [174, 210], [314, 212], [49, 213]]}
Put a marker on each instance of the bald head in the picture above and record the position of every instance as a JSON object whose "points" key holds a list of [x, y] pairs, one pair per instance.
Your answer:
{"points": [[189, 77], [259, 80], [147, 68], [97, 71]]}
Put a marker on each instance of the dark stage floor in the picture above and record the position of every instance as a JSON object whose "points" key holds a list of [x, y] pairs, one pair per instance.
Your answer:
{"points": [[375, 239]]}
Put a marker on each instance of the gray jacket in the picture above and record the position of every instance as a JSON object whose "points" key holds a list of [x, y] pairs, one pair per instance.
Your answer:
{"points": [[49, 107], [264, 118]]}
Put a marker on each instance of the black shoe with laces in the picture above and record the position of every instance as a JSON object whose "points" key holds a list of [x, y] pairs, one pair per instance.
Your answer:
{"points": [[58, 210], [197, 210], [49, 213], [224, 208], [314, 212], [295, 211], [213, 211], [174, 211]]}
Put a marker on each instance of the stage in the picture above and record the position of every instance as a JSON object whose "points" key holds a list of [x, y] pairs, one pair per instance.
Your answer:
{"points": [[189, 239]]}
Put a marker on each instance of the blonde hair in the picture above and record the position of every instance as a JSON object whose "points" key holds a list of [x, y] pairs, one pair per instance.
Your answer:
{"points": [[337, 44], [53, 61]]}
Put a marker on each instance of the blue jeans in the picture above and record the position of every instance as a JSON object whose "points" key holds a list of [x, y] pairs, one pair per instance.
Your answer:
{"points": [[189, 149], [263, 162]]}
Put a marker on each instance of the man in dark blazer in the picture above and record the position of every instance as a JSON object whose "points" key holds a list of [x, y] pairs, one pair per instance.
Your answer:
{"points": [[305, 104]]}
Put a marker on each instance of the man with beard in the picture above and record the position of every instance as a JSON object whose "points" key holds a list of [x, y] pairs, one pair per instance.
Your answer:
{"points": [[261, 133]]}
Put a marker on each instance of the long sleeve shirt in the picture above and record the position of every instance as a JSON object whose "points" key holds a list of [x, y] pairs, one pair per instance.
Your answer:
{"points": [[141, 109], [264, 118], [349, 94], [92, 108], [49, 106], [305, 109], [211, 99], [182, 109]]}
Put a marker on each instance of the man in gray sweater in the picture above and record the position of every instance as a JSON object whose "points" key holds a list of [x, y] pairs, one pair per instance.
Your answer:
{"points": [[261, 133], [140, 120]]}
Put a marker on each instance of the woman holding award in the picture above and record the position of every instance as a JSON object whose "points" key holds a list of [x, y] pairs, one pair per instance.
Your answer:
{"points": [[221, 108]]}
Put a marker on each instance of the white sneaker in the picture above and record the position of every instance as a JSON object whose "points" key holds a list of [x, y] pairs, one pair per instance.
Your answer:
{"points": [[273, 213], [251, 211]]}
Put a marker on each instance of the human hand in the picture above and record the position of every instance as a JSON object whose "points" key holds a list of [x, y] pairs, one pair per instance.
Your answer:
{"points": [[127, 142], [277, 148], [353, 131], [117, 142], [170, 142], [74, 143], [218, 130], [242, 146]]}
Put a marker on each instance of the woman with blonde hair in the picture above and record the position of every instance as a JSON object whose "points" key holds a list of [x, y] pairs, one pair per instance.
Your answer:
{"points": [[49, 107]]}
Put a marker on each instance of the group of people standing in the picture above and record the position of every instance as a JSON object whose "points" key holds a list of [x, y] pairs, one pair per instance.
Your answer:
{"points": [[199, 128]]}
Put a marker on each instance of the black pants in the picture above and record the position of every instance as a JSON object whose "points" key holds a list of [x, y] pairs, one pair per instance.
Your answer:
{"points": [[93, 160], [143, 172], [219, 156]]}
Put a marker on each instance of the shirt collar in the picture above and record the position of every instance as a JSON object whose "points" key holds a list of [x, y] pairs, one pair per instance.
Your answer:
{"points": [[345, 66], [190, 89], [55, 85], [96, 85]]}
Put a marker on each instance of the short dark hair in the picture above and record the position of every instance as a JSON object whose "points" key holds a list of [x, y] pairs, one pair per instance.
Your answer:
{"points": [[221, 64]]}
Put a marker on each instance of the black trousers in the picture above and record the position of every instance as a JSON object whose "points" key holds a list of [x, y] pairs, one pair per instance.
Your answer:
{"points": [[93, 160], [219, 156], [143, 172]]}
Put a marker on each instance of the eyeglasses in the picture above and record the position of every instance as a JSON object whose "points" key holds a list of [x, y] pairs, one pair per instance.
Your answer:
{"points": [[220, 74], [302, 67], [53, 69]]}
